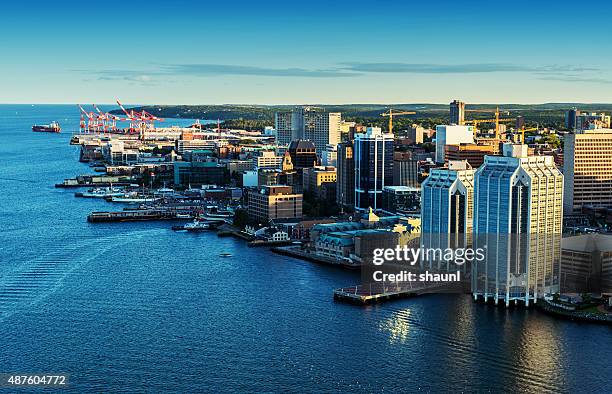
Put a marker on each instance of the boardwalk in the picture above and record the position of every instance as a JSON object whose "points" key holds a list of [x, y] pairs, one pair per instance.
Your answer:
{"points": [[383, 291]]}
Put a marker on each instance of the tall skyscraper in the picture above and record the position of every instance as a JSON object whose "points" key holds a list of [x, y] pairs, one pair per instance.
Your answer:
{"points": [[284, 128], [447, 197], [308, 123], [345, 191], [457, 112], [518, 219], [373, 167], [570, 118], [587, 169], [451, 135]]}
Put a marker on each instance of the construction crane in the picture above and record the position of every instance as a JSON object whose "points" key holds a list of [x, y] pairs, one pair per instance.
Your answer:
{"points": [[522, 130], [497, 119], [391, 113]]}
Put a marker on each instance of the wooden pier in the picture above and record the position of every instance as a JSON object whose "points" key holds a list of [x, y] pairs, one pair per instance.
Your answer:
{"points": [[132, 215], [384, 291]]}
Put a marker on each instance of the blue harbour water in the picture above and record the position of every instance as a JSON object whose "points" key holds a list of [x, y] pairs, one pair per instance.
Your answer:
{"points": [[137, 307]]}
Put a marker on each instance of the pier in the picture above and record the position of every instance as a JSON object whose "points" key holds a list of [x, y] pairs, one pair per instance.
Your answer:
{"points": [[132, 215], [375, 292]]}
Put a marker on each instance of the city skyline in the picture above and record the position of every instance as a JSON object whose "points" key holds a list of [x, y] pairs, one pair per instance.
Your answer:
{"points": [[183, 53]]}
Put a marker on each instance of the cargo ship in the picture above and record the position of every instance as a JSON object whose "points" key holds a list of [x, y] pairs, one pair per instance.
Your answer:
{"points": [[54, 127]]}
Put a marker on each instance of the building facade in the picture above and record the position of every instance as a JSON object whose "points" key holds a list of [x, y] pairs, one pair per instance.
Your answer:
{"points": [[345, 175], [451, 135], [303, 154], [373, 167], [518, 219], [457, 112], [587, 169], [274, 202]]}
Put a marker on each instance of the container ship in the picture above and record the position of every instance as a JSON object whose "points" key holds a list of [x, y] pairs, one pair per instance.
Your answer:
{"points": [[54, 127]]}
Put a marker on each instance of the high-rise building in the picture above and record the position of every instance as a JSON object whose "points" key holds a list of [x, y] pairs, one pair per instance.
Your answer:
{"points": [[518, 219], [586, 264], [587, 168], [520, 122], [457, 112], [373, 167], [451, 135], [284, 128], [303, 154], [570, 118], [345, 163], [447, 196], [405, 170], [447, 199], [308, 123]]}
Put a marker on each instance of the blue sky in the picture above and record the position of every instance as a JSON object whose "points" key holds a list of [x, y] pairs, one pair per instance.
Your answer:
{"points": [[167, 52]]}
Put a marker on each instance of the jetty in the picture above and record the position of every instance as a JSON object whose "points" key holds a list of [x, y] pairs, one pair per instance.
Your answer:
{"points": [[375, 292]]}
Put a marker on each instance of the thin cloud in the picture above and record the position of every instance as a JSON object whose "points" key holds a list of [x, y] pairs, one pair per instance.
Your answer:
{"points": [[574, 78], [471, 68], [203, 69]]}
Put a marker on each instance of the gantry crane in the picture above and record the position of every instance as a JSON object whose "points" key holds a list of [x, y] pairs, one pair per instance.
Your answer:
{"points": [[390, 114]]}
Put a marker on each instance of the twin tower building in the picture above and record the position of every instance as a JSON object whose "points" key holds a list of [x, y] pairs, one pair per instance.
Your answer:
{"points": [[512, 207]]}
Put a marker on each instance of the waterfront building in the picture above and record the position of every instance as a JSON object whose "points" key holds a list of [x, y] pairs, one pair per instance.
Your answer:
{"points": [[401, 199], [321, 181], [303, 154], [345, 175], [587, 168], [405, 170], [457, 112], [518, 217], [274, 202], [451, 135], [472, 153], [198, 173], [586, 264], [373, 167], [447, 199], [115, 152]]}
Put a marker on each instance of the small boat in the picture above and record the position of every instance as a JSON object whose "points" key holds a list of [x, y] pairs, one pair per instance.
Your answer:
{"points": [[53, 127], [132, 198], [107, 192], [195, 226], [225, 255]]}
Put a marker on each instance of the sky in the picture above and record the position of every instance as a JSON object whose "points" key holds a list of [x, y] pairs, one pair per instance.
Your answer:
{"points": [[314, 52]]}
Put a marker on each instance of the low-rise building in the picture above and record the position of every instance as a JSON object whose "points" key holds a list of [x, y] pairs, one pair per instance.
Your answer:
{"points": [[586, 264]]}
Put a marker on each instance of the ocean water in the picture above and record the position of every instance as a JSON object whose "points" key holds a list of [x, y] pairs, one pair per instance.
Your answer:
{"points": [[137, 307]]}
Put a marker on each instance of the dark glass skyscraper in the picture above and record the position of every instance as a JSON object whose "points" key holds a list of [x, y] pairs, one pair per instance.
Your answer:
{"points": [[373, 167]]}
